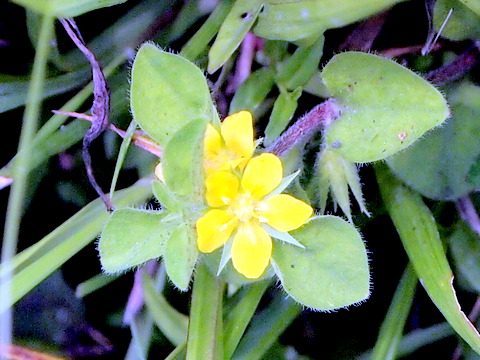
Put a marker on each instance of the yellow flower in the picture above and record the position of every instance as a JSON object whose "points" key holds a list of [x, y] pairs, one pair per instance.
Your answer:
{"points": [[230, 148], [250, 208]]}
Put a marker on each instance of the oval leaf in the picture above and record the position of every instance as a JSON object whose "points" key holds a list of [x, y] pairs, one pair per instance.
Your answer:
{"points": [[131, 237], [384, 106], [439, 165], [294, 20], [181, 256], [331, 272], [66, 8], [182, 160], [167, 92]]}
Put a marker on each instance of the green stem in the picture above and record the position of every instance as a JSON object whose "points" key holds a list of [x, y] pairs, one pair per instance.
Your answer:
{"points": [[17, 194], [205, 338]]}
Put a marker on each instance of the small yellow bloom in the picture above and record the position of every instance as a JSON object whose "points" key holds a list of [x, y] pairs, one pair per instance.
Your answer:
{"points": [[230, 148], [241, 206]]}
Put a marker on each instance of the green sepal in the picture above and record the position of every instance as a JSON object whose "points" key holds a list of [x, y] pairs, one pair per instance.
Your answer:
{"points": [[66, 8], [331, 272], [167, 92], [182, 160], [131, 237], [384, 106], [253, 91], [337, 174], [442, 165], [283, 111], [234, 28], [181, 255]]}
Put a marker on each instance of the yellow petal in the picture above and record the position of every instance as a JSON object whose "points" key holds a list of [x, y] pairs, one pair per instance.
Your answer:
{"points": [[222, 188], [214, 229], [284, 212], [237, 132], [251, 250], [212, 141], [262, 175]]}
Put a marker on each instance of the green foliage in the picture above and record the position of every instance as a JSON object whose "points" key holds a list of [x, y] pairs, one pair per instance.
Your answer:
{"points": [[439, 165], [380, 109], [358, 108], [131, 237], [422, 242], [162, 100], [331, 272], [66, 8], [462, 24], [306, 19]]}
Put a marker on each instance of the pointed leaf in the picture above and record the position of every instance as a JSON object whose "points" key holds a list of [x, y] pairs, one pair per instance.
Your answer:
{"points": [[331, 272], [236, 25], [419, 234], [167, 92], [182, 160], [181, 256], [131, 237]]}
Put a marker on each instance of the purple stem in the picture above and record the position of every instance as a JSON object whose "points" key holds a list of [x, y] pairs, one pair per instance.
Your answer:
{"points": [[321, 115], [468, 213]]}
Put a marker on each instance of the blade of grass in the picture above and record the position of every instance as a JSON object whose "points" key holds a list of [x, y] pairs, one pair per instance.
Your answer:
{"points": [[266, 327], [56, 248], [237, 319], [173, 324], [17, 194], [419, 234], [198, 43], [122, 154], [93, 284], [391, 330]]}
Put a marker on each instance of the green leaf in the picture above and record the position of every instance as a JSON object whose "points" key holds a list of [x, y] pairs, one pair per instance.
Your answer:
{"points": [[181, 256], [465, 249], [34, 264], [167, 92], [283, 111], [182, 160], [294, 20], [266, 327], [66, 8], [167, 198], [390, 335], [131, 237], [236, 25], [172, 324], [462, 24], [301, 66], [253, 91], [440, 165], [473, 5], [419, 234], [381, 113], [332, 272]]}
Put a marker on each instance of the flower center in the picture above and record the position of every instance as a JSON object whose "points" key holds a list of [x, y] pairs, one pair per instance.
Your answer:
{"points": [[244, 207]]}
